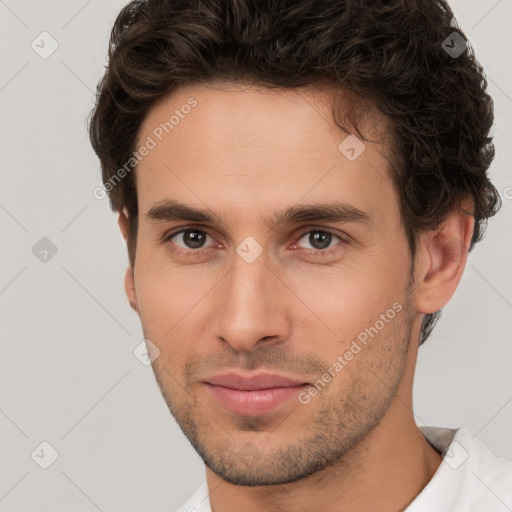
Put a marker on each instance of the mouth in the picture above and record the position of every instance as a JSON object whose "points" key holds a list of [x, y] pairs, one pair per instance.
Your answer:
{"points": [[253, 394]]}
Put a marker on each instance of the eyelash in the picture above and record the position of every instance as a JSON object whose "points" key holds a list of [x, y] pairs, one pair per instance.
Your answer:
{"points": [[311, 252]]}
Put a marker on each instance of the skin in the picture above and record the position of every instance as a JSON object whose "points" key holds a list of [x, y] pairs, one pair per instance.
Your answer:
{"points": [[245, 153]]}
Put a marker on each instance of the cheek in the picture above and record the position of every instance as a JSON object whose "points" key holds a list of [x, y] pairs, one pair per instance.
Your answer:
{"points": [[346, 298], [172, 300], [350, 300]]}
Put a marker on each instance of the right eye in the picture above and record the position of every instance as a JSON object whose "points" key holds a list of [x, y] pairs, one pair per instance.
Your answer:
{"points": [[189, 241]]}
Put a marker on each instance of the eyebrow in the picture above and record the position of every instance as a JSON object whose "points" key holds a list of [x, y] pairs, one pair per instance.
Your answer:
{"points": [[172, 210]]}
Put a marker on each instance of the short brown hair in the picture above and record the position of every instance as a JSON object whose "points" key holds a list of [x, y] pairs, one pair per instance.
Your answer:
{"points": [[389, 52]]}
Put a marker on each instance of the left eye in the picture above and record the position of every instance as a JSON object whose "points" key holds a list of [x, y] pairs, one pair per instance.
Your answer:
{"points": [[319, 240]]}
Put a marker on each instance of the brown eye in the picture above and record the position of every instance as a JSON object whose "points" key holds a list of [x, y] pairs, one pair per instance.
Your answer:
{"points": [[190, 238], [319, 240]]}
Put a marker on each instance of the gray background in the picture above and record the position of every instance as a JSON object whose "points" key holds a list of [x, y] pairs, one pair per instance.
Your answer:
{"points": [[68, 374]]}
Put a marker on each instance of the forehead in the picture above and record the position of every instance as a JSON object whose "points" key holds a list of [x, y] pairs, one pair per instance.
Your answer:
{"points": [[270, 146], [236, 115]]}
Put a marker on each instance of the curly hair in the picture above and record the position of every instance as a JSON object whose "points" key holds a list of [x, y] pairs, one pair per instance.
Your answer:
{"points": [[388, 52]]}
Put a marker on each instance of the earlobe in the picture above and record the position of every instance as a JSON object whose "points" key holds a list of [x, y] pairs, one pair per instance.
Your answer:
{"points": [[129, 287], [442, 257]]}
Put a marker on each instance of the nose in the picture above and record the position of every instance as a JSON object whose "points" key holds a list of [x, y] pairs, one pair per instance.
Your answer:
{"points": [[253, 310]]}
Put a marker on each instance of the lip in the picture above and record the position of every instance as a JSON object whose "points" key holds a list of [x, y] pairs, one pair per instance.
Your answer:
{"points": [[253, 394]]}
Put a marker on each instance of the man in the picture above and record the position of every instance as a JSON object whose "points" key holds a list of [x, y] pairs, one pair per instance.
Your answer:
{"points": [[299, 184]]}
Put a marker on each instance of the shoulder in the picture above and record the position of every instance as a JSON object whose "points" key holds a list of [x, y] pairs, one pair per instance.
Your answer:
{"points": [[469, 479], [491, 476]]}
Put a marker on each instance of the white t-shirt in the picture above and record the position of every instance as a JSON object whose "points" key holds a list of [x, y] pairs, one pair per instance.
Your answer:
{"points": [[470, 478]]}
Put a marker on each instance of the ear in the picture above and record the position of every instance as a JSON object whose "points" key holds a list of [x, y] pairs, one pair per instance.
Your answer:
{"points": [[441, 259], [129, 278], [129, 288], [123, 222]]}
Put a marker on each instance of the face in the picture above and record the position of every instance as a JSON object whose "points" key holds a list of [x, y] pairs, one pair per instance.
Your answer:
{"points": [[272, 273]]}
